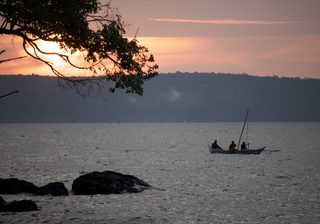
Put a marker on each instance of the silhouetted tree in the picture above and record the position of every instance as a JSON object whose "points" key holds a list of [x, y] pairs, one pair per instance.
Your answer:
{"points": [[85, 26]]}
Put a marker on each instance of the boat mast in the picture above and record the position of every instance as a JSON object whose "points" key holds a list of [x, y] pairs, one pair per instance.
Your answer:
{"points": [[244, 124]]}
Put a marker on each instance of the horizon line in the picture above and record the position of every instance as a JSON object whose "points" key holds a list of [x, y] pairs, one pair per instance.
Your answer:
{"points": [[182, 73]]}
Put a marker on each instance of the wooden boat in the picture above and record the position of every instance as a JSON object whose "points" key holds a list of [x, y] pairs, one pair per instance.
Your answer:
{"points": [[238, 151], [245, 152]]}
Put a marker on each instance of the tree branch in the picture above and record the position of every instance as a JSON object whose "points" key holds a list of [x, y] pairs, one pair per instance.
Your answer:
{"points": [[104, 48], [11, 59]]}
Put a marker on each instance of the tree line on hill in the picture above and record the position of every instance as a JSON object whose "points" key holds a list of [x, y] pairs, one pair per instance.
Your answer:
{"points": [[177, 97]]}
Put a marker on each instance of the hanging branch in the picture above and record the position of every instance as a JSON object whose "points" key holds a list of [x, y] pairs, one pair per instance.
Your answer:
{"points": [[10, 59], [107, 53]]}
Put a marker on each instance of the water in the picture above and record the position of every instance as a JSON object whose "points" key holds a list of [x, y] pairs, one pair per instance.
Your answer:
{"points": [[281, 185]]}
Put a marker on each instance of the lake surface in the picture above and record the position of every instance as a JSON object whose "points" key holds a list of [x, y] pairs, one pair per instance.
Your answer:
{"points": [[281, 185]]}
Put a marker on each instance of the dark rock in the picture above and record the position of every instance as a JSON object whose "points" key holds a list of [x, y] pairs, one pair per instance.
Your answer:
{"points": [[2, 201], [16, 186], [18, 206], [107, 182], [54, 189]]}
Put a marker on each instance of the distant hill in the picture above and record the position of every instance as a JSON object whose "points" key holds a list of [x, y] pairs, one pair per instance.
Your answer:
{"points": [[175, 97]]}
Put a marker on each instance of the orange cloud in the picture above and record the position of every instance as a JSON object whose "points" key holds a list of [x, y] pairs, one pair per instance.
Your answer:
{"points": [[278, 55], [223, 21]]}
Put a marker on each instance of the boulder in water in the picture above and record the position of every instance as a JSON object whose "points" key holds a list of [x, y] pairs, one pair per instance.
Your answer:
{"points": [[18, 206], [107, 182], [2, 202], [16, 186], [54, 189]]}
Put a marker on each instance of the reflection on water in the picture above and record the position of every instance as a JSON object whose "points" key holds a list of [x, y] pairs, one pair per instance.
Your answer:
{"points": [[281, 185]]}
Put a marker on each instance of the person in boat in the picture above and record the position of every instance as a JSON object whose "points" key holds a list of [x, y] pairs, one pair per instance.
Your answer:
{"points": [[215, 145], [232, 147], [243, 146]]}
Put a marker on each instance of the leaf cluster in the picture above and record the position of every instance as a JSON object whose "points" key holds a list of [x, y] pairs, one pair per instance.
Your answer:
{"points": [[85, 26]]}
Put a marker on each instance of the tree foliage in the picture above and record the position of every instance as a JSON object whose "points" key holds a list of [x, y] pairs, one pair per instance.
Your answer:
{"points": [[85, 26]]}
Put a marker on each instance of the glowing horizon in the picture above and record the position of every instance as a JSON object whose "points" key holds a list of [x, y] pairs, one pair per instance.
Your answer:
{"points": [[263, 38], [266, 56], [282, 56]]}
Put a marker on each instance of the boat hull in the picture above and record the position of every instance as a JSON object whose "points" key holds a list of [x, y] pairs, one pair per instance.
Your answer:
{"points": [[243, 152]]}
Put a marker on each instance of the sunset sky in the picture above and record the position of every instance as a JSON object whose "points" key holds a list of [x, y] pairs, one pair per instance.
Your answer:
{"points": [[258, 37]]}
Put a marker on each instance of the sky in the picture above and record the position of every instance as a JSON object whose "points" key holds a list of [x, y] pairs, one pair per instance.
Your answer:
{"points": [[258, 37]]}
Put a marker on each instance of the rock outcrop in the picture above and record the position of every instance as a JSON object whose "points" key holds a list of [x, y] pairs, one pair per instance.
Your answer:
{"points": [[16, 186], [2, 201], [54, 189], [17, 206], [107, 182]]}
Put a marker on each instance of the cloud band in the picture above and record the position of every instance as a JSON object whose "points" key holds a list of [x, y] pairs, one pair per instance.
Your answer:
{"points": [[223, 21]]}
